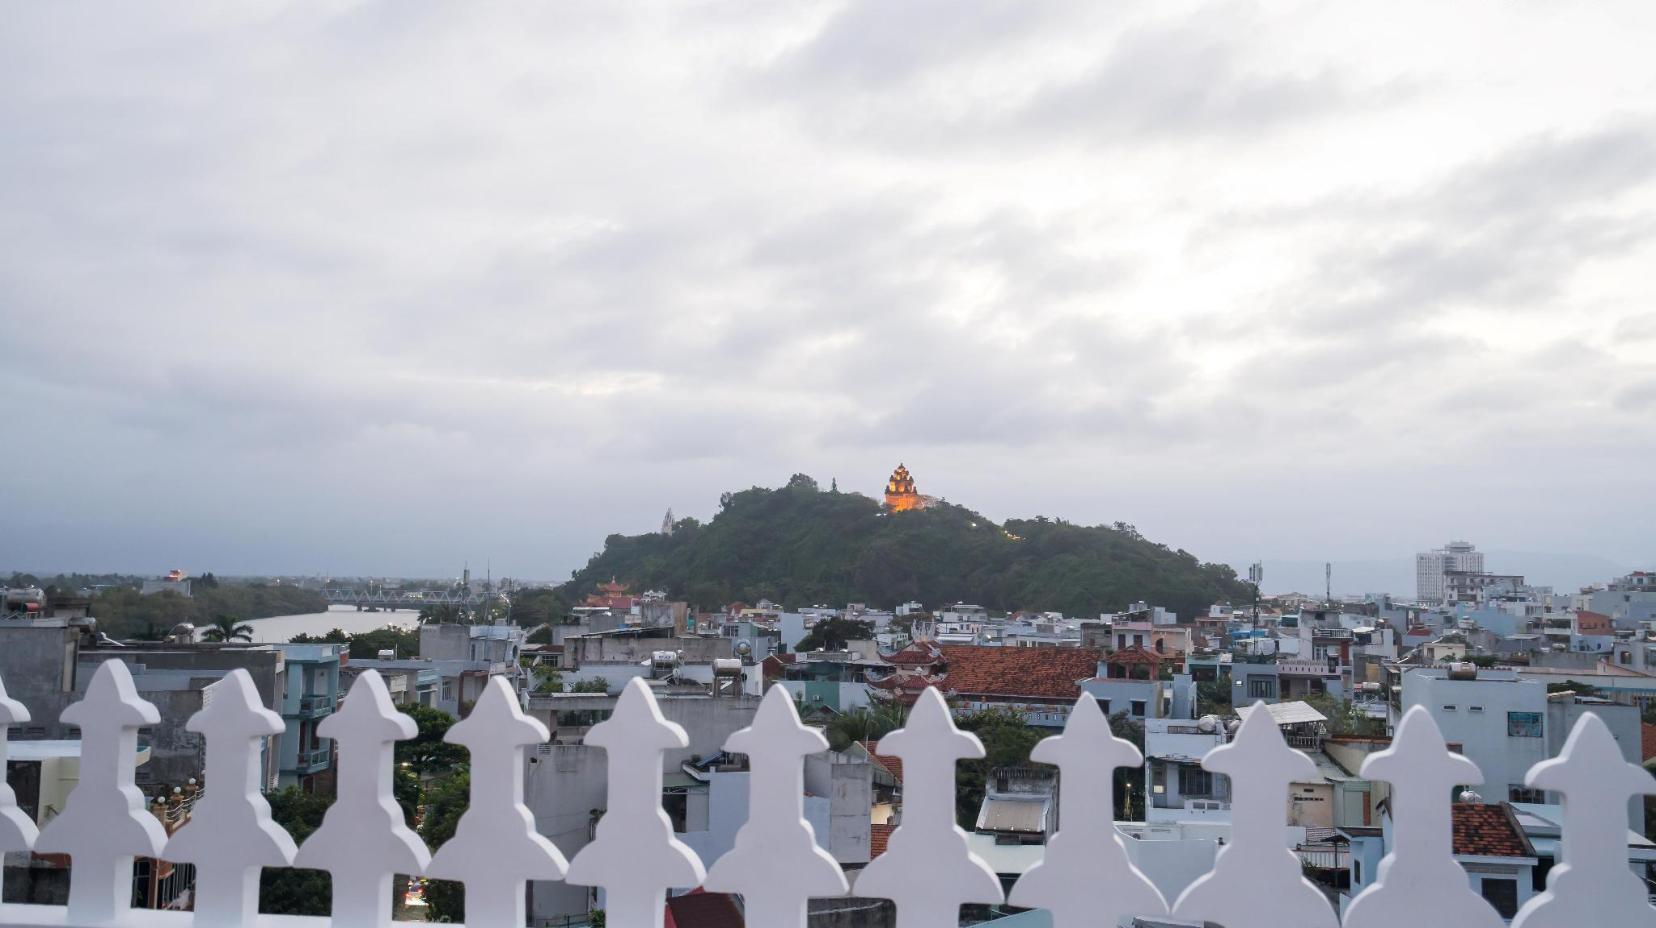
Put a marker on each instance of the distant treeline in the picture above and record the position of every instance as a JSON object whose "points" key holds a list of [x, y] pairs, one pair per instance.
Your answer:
{"points": [[801, 545]]}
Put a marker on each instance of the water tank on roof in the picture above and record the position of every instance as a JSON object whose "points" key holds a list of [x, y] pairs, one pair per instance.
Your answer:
{"points": [[1207, 724], [1463, 670]]}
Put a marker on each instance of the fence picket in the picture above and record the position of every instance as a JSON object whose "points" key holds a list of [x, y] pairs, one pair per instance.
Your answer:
{"points": [[17, 830], [776, 864], [1257, 864], [1591, 884], [495, 848], [230, 835], [1085, 878], [105, 825], [635, 857], [363, 841], [928, 868], [1419, 881]]}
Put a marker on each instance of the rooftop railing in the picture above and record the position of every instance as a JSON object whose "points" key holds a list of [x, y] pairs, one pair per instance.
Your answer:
{"points": [[1085, 878]]}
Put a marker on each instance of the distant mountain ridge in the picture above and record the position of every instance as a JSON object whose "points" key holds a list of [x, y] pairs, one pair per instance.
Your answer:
{"points": [[802, 545]]}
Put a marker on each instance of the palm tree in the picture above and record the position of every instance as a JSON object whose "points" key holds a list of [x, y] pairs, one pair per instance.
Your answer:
{"points": [[227, 628], [864, 723]]}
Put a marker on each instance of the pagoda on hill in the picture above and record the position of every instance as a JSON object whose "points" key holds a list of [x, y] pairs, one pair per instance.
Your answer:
{"points": [[900, 495]]}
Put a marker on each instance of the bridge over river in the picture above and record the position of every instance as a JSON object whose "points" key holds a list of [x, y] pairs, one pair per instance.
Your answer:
{"points": [[404, 599]]}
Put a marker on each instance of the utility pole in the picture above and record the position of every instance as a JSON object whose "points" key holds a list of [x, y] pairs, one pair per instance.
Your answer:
{"points": [[1328, 580]]}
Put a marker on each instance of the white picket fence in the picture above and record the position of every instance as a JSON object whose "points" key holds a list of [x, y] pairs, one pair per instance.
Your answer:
{"points": [[1085, 878]]}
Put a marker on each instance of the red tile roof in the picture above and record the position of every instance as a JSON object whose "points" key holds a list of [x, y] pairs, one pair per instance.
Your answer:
{"points": [[1648, 732], [878, 835], [1134, 655], [892, 765], [1034, 673], [1488, 831], [701, 909]]}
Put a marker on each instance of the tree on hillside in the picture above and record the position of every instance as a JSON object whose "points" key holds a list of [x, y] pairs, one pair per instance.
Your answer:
{"points": [[227, 628]]}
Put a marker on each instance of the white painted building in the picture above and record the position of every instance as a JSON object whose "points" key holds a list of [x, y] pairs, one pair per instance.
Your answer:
{"points": [[1430, 567]]}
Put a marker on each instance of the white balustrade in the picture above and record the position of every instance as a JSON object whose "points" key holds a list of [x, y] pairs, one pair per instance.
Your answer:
{"points": [[1257, 864], [1085, 878], [495, 849], [928, 870], [364, 842], [635, 857], [104, 825], [1591, 884], [17, 830], [230, 835], [1418, 882]]}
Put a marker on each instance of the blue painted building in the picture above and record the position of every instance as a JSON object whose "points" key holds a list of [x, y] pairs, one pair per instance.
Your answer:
{"points": [[310, 694]]}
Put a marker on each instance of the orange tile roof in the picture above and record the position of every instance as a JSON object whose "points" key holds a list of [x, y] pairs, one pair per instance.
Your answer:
{"points": [[892, 765], [878, 836], [1035, 673], [1488, 831]]}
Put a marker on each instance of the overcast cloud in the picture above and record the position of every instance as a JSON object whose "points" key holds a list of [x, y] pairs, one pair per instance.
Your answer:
{"points": [[384, 288]]}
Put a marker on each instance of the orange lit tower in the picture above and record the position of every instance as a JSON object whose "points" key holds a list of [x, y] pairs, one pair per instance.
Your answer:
{"points": [[900, 495]]}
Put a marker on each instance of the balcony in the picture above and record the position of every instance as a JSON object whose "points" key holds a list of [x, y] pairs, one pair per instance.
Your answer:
{"points": [[312, 761], [927, 869], [315, 705]]}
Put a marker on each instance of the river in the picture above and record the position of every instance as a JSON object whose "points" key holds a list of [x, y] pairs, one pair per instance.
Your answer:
{"points": [[282, 628]]}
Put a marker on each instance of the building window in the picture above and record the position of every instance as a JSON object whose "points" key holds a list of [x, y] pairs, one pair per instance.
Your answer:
{"points": [[1517, 792], [1449, 708], [1523, 724], [1194, 781], [1137, 708], [1262, 689], [1104, 705], [1356, 872], [1503, 895]]}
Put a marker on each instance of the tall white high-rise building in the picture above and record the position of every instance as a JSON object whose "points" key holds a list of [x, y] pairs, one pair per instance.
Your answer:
{"points": [[1430, 567]]}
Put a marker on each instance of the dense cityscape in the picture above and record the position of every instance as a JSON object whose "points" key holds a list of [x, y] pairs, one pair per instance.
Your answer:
{"points": [[1504, 668]]}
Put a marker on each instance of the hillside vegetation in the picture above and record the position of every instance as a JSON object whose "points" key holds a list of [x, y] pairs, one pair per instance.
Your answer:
{"points": [[801, 545]]}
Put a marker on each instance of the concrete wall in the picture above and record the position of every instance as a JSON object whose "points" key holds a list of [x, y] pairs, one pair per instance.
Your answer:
{"points": [[38, 665], [1623, 722], [847, 783], [564, 787], [1474, 713]]}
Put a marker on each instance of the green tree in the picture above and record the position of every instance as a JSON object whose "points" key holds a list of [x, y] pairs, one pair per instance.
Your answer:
{"points": [[227, 628], [1128, 782], [427, 754], [289, 891], [833, 634], [1213, 697], [445, 801], [548, 679], [1344, 719], [1007, 741], [864, 723]]}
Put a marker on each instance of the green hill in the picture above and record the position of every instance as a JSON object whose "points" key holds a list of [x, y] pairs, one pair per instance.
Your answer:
{"points": [[801, 545]]}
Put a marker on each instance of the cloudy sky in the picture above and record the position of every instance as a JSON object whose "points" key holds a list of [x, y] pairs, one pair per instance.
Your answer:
{"points": [[386, 287]]}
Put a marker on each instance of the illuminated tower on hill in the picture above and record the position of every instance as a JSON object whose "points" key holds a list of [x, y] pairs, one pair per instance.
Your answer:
{"points": [[900, 495]]}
